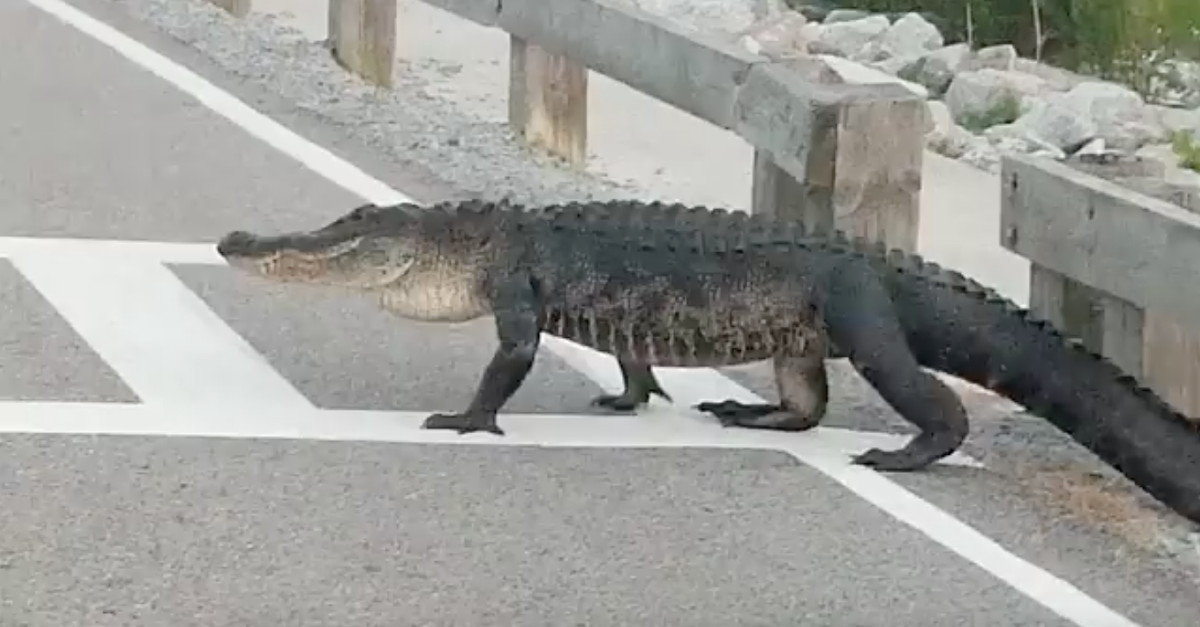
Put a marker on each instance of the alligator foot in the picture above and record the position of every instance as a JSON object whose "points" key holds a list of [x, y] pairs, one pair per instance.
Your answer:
{"points": [[779, 417], [894, 461], [732, 413], [467, 422], [923, 450], [619, 402], [639, 384]]}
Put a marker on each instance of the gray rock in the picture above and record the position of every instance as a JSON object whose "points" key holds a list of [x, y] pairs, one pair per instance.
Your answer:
{"points": [[845, 39], [1013, 139], [981, 92], [983, 156], [895, 65], [1056, 78], [910, 35], [999, 57], [778, 37], [1173, 120], [936, 69], [1093, 147], [845, 15], [1119, 113], [1055, 123]]}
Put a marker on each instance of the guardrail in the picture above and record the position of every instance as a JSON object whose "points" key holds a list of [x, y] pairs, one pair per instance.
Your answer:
{"points": [[841, 155], [1114, 263]]}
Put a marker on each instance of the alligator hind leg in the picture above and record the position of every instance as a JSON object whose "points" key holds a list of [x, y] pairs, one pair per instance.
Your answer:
{"points": [[639, 385], [862, 321], [803, 385]]}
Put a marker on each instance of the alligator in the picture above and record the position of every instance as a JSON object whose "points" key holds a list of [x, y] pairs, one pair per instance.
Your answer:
{"points": [[665, 284]]}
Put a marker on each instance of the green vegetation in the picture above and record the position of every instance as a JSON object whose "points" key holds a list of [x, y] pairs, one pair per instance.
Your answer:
{"points": [[1006, 111], [1185, 146], [1111, 39]]}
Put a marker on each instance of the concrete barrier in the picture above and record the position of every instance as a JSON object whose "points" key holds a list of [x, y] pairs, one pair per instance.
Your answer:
{"points": [[830, 155], [1112, 265]]}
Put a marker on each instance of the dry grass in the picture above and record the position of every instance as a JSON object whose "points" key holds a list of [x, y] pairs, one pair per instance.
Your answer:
{"points": [[1108, 503]]}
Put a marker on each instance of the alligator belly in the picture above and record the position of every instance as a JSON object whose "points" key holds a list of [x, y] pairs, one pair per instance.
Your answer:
{"points": [[679, 343]]}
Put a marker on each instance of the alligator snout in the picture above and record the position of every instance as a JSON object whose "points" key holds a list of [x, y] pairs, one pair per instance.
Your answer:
{"points": [[235, 243]]}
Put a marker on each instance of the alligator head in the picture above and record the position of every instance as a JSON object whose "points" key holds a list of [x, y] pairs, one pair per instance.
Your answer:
{"points": [[369, 247]]}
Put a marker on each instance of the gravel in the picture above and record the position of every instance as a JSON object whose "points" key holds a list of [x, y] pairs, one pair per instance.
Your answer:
{"points": [[479, 158]]}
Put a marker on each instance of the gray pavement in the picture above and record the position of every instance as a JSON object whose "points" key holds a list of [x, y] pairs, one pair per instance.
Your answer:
{"points": [[128, 530]]}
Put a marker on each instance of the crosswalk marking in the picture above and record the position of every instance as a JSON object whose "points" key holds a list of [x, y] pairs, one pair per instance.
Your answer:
{"points": [[201, 253], [655, 428], [161, 338]]}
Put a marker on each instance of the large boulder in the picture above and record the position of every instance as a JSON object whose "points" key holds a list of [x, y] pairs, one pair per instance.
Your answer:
{"points": [[1121, 115], [911, 35], [1056, 124], [981, 93], [848, 39], [998, 57], [934, 70]]}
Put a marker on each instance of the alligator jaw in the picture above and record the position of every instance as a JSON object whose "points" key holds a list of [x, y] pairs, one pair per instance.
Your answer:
{"points": [[305, 257]]}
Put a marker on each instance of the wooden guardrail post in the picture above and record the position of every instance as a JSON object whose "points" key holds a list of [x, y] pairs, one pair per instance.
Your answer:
{"points": [[1112, 266], [547, 101], [236, 8], [362, 38], [862, 169]]}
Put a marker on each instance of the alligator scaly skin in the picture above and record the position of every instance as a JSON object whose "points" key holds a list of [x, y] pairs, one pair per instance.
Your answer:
{"points": [[669, 285]]}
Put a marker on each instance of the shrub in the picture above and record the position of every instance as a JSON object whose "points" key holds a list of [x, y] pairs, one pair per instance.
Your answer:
{"points": [[1184, 146], [1005, 111], [1115, 39]]}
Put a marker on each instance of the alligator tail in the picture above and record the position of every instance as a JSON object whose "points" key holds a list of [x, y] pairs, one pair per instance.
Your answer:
{"points": [[957, 326]]}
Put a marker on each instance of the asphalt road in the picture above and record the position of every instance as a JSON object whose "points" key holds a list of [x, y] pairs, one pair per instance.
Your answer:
{"points": [[187, 446]]}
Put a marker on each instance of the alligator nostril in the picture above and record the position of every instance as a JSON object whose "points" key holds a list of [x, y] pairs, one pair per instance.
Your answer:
{"points": [[234, 243]]}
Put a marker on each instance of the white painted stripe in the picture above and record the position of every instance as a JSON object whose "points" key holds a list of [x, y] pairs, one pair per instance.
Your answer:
{"points": [[126, 250], [314, 157], [158, 335], [662, 428], [1055, 594]]}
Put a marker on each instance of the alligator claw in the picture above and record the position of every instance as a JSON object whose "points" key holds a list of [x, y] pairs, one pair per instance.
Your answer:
{"points": [[894, 461], [615, 402], [732, 413], [463, 423]]}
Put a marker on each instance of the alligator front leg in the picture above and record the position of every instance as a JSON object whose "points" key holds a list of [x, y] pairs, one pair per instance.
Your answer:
{"points": [[639, 385], [518, 329]]}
